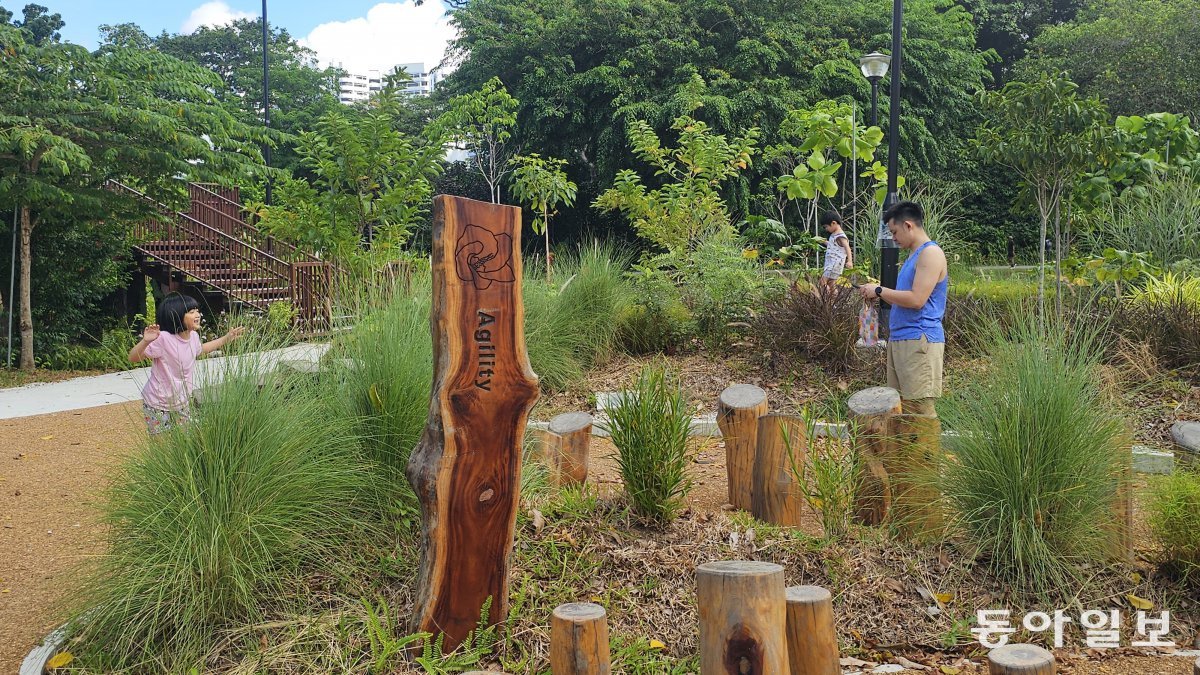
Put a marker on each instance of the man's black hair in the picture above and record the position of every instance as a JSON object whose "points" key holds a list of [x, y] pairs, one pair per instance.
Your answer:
{"points": [[906, 211], [830, 217], [169, 315]]}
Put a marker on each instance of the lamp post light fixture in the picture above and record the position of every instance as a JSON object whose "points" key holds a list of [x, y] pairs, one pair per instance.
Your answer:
{"points": [[874, 67]]}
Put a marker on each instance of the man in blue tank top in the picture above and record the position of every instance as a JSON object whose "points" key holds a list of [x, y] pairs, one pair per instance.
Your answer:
{"points": [[916, 341]]}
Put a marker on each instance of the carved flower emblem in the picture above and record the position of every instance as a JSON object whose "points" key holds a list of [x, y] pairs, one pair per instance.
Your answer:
{"points": [[482, 257]]}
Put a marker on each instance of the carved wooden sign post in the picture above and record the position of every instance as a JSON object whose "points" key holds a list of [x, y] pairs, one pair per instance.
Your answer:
{"points": [[466, 469]]}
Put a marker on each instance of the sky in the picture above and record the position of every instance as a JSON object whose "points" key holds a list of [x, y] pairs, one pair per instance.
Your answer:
{"points": [[360, 35]]}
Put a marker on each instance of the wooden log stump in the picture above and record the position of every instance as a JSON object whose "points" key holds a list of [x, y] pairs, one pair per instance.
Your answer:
{"points": [[579, 640], [913, 476], [1013, 659], [567, 456], [782, 445], [466, 469], [742, 618], [1121, 538], [738, 410], [811, 641], [871, 413]]}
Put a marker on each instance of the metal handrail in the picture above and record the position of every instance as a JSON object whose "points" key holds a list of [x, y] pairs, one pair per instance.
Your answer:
{"points": [[258, 235]]}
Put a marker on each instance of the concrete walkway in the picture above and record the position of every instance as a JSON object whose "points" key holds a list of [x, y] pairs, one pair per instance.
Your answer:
{"points": [[90, 392]]}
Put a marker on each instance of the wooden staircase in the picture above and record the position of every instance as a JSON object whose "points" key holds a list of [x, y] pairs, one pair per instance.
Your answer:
{"points": [[212, 248]]}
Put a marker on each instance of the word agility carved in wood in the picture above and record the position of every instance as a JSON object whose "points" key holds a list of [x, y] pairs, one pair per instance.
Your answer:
{"points": [[466, 469]]}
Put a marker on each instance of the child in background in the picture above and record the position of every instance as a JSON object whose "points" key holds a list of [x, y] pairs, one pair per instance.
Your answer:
{"points": [[173, 344], [838, 255]]}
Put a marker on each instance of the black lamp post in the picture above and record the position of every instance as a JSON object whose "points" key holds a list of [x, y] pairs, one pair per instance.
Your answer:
{"points": [[889, 253], [266, 97], [874, 67]]}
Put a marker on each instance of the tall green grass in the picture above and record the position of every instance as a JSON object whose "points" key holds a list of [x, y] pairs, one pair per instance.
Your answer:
{"points": [[214, 524], [1174, 510], [1163, 220], [573, 324], [384, 376], [1035, 463], [649, 426]]}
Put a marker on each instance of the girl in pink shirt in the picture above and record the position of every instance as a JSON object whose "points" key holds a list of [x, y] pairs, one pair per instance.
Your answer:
{"points": [[173, 345]]}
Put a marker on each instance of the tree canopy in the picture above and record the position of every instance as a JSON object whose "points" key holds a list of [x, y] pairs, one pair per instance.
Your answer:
{"points": [[585, 69], [1137, 56]]}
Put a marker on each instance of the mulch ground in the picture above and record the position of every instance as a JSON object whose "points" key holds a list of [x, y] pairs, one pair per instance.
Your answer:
{"points": [[51, 469]]}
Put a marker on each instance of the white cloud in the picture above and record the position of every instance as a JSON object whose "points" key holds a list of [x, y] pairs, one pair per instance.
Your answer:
{"points": [[213, 14], [390, 33]]}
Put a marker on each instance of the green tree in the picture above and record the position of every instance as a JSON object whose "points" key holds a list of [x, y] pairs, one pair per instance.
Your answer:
{"points": [[809, 137], [1046, 134], [39, 25], [1007, 26], [371, 183], [688, 205], [1137, 56], [584, 70], [70, 121], [482, 122], [301, 92], [542, 183]]}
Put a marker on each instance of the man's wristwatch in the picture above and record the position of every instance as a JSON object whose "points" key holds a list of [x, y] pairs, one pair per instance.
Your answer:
{"points": [[879, 291]]}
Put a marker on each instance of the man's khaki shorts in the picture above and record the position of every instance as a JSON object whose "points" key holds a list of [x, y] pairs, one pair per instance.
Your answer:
{"points": [[914, 367]]}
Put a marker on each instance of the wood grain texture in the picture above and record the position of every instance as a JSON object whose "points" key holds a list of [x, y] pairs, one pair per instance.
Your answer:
{"points": [[1014, 659], [913, 475], [871, 412], [568, 456], [742, 618], [811, 640], [579, 640], [738, 410], [775, 497], [466, 469]]}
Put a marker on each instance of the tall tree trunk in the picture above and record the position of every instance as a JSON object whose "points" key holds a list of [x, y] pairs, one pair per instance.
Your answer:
{"points": [[26, 318], [1058, 257], [1045, 216], [546, 230]]}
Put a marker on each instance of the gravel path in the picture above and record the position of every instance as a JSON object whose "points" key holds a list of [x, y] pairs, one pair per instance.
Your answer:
{"points": [[51, 469]]}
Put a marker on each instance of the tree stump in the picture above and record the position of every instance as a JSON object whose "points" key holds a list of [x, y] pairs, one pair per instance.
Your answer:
{"points": [[871, 413], [742, 618], [1121, 547], [811, 641], [579, 640], [567, 453], [738, 410], [913, 476], [1012, 659], [466, 469], [776, 498]]}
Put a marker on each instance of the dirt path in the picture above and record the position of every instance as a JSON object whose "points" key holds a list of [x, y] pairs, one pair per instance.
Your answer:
{"points": [[51, 468]]}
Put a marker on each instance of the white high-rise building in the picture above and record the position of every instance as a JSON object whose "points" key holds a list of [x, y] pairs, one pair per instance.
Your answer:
{"points": [[355, 87]]}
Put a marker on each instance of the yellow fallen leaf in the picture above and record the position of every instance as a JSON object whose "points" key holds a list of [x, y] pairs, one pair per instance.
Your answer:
{"points": [[596, 599], [658, 644], [944, 598], [59, 660], [1135, 578], [46, 438], [949, 670], [1139, 603], [6, 590]]}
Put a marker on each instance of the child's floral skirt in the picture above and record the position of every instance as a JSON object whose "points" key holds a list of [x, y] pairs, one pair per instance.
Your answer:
{"points": [[159, 421]]}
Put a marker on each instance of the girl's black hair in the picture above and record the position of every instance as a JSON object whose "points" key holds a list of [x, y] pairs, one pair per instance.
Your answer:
{"points": [[169, 315]]}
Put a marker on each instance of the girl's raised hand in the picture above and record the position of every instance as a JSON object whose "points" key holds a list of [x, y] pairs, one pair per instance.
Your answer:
{"points": [[236, 332], [151, 333]]}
